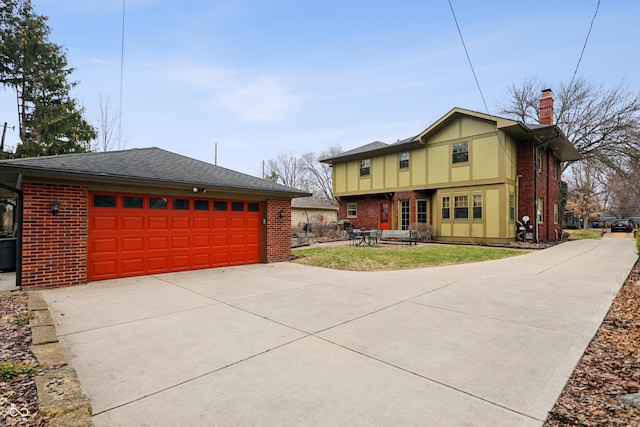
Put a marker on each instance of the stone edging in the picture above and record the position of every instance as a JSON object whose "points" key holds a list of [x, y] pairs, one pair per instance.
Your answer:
{"points": [[60, 394]]}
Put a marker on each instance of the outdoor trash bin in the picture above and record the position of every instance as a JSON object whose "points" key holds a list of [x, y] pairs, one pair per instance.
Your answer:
{"points": [[8, 254]]}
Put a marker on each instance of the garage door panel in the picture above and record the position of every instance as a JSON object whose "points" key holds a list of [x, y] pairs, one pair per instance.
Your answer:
{"points": [[180, 242], [180, 224], [200, 223], [106, 223], [104, 245], [133, 223], [158, 243], [132, 244], [158, 223], [126, 240]]}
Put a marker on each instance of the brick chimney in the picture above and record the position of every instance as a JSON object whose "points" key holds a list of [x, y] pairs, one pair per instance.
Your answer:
{"points": [[546, 107]]}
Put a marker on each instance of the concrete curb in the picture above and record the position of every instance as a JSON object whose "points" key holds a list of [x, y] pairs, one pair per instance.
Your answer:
{"points": [[60, 394]]}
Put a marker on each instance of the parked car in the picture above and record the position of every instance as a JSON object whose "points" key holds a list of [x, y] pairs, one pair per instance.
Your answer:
{"points": [[624, 224]]}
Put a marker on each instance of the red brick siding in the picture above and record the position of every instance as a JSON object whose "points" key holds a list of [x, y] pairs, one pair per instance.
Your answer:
{"points": [[547, 189], [368, 208], [54, 248], [278, 231]]}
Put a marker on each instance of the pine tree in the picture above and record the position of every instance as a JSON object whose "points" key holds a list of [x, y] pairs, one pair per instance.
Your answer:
{"points": [[50, 121]]}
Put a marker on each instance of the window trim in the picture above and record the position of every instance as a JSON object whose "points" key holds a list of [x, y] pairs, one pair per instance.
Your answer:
{"points": [[407, 160], [540, 210], [458, 208], [556, 212], [365, 171], [425, 213], [474, 207], [458, 157], [512, 207], [352, 207], [446, 206]]}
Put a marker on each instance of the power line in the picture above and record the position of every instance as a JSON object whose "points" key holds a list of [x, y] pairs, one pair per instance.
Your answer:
{"points": [[468, 58], [585, 43]]}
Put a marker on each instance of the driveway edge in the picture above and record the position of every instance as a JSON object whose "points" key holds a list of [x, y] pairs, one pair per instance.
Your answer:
{"points": [[60, 394]]}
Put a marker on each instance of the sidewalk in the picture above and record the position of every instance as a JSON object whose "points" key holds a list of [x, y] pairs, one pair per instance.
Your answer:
{"points": [[486, 344]]}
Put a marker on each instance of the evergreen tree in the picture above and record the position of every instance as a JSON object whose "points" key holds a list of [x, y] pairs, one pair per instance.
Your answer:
{"points": [[50, 120]]}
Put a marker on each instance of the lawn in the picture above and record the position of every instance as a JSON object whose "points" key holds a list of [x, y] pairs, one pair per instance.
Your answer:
{"points": [[370, 259], [591, 233]]}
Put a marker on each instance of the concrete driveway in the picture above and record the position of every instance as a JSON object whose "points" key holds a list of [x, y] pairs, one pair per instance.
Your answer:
{"points": [[485, 344]]}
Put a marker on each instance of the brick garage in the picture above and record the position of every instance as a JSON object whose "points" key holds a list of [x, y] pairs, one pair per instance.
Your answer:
{"points": [[93, 192]]}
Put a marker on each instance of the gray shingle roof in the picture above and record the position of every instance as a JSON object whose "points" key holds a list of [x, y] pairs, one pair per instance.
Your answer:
{"points": [[145, 165], [313, 203]]}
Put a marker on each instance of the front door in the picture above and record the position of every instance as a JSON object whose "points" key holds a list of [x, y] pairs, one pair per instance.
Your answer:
{"points": [[384, 216]]}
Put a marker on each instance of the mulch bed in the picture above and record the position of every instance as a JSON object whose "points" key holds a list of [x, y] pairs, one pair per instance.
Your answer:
{"points": [[609, 368], [18, 396]]}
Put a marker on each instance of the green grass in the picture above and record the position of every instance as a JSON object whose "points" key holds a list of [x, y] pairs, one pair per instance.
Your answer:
{"points": [[583, 234], [11, 369], [22, 318], [370, 259]]}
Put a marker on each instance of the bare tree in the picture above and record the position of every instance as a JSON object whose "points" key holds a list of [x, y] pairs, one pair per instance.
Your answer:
{"points": [[321, 174], [288, 170], [586, 189], [108, 127], [602, 123]]}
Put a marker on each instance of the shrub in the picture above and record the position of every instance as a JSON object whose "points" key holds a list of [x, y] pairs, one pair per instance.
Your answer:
{"points": [[425, 231], [11, 369]]}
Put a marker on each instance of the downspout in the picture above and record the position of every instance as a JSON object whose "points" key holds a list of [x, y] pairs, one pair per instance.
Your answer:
{"points": [[18, 219], [535, 190]]}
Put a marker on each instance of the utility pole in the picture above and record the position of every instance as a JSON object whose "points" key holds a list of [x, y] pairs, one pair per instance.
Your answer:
{"points": [[216, 154], [4, 132]]}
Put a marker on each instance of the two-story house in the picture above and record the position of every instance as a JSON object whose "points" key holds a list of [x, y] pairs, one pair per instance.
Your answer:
{"points": [[470, 176]]}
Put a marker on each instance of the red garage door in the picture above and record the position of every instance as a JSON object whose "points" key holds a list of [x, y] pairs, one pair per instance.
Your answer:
{"points": [[134, 235]]}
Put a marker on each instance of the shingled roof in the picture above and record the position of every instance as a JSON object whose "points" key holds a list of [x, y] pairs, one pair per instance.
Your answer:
{"points": [[152, 166]]}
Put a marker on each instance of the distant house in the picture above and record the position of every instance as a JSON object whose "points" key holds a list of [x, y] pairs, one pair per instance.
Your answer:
{"points": [[470, 175], [313, 211], [95, 216]]}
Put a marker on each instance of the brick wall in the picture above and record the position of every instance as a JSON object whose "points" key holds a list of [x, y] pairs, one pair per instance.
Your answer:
{"points": [[54, 247], [546, 185], [278, 238]]}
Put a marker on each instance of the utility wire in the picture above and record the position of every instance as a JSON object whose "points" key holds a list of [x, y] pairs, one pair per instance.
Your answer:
{"points": [[468, 58], [585, 43], [504, 148]]}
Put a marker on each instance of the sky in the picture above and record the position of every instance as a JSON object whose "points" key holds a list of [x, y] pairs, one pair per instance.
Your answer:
{"points": [[261, 78]]}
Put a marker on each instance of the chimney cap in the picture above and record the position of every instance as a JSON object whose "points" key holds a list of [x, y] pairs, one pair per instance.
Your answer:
{"points": [[546, 93]]}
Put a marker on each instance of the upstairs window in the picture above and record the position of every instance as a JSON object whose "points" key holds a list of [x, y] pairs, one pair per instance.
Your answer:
{"points": [[540, 162], [365, 167], [404, 160], [460, 153]]}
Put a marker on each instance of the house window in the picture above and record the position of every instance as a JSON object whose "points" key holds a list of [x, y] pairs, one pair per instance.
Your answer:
{"points": [[352, 210], [219, 206], [404, 160], [421, 211], [540, 151], [365, 167], [512, 207], [181, 204], [157, 203], [132, 202], [556, 209], [477, 206], [461, 207], [201, 205], [540, 210], [557, 169], [104, 201], [405, 214], [446, 204], [460, 152]]}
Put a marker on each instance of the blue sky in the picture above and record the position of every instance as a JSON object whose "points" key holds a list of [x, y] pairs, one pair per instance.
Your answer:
{"points": [[264, 77]]}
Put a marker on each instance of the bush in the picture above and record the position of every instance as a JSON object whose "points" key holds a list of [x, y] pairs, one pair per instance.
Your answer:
{"points": [[425, 231]]}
